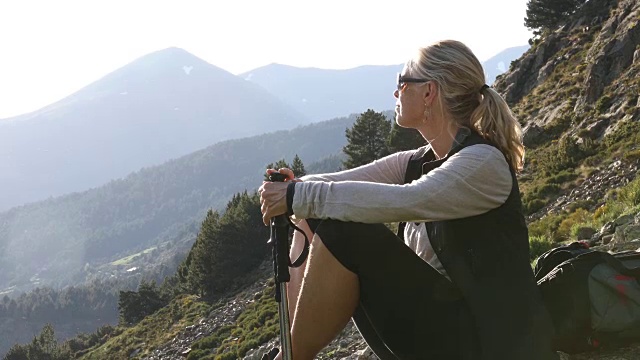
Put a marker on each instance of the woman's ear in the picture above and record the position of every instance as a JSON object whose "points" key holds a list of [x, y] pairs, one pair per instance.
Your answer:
{"points": [[430, 92]]}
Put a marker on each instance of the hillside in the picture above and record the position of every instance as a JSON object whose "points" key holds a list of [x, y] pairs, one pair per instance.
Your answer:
{"points": [[69, 239], [576, 94]]}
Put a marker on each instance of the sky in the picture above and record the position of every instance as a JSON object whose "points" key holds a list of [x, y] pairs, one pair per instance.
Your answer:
{"points": [[50, 49]]}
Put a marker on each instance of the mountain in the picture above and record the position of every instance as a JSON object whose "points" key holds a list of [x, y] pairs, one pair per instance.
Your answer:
{"points": [[161, 106], [500, 62], [324, 94], [66, 240]]}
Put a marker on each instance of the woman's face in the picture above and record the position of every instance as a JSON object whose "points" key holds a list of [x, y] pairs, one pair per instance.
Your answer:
{"points": [[410, 101]]}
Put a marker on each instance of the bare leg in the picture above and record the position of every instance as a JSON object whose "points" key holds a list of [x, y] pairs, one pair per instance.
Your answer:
{"points": [[295, 283], [327, 300]]}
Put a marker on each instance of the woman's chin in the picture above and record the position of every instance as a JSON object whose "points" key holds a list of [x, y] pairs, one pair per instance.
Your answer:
{"points": [[402, 122]]}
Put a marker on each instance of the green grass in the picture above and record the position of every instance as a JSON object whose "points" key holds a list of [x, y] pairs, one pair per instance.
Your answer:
{"points": [[153, 331], [128, 259], [255, 326], [555, 228]]}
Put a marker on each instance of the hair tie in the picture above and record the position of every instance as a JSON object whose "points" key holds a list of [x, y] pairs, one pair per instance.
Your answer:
{"points": [[485, 86]]}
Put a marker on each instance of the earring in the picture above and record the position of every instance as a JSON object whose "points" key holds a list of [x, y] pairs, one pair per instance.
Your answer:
{"points": [[427, 112]]}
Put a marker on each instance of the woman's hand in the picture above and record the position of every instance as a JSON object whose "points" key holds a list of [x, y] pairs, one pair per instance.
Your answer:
{"points": [[284, 171], [273, 195], [273, 199]]}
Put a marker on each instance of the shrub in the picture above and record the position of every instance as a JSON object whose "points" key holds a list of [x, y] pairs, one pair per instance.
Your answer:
{"points": [[532, 205], [578, 217], [630, 194], [603, 104], [580, 204], [562, 177], [547, 226], [538, 245], [197, 354]]}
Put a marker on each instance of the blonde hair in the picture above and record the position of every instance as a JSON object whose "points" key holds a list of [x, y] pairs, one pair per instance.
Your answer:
{"points": [[460, 79]]}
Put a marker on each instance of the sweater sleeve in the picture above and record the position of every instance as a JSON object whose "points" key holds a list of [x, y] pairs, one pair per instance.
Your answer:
{"points": [[473, 181], [387, 170]]}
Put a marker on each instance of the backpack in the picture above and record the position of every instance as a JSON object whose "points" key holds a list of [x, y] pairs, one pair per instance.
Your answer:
{"points": [[593, 296]]}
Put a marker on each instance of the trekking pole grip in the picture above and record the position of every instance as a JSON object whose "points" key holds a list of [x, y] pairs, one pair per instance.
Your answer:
{"points": [[280, 238]]}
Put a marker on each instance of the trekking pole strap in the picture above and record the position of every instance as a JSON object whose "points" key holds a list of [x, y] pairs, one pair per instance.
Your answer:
{"points": [[305, 251]]}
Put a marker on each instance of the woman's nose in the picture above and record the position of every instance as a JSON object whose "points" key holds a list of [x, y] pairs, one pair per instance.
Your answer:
{"points": [[396, 93]]}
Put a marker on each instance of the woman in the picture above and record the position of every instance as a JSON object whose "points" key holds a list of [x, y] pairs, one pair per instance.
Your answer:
{"points": [[457, 283]]}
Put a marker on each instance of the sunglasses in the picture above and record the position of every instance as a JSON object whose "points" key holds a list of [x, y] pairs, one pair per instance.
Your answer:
{"points": [[402, 80]]}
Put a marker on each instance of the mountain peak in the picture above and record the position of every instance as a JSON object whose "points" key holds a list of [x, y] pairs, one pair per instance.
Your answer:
{"points": [[170, 57]]}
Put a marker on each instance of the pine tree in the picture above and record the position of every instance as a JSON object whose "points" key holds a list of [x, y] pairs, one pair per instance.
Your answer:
{"points": [[298, 167], [367, 139], [17, 352], [47, 342], [548, 14], [201, 255], [226, 247], [240, 245], [401, 139], [135, 306], [278, 165], [43, 347]]}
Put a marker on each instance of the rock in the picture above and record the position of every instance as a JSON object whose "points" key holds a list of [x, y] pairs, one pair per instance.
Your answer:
{"points": [[607, 239], [608, 228], [611, 53], [532, 134], [623, 220], [618, 236], [625, 246], [632, 232], [596, 129], [366, 354], [585, 232]]}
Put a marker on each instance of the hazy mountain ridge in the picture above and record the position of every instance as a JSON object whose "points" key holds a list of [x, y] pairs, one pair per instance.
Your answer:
{"points": [[325, 93], [161, 106]]}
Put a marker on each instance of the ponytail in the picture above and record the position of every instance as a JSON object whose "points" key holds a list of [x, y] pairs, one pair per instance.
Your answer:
{"points": [[495, 122]]}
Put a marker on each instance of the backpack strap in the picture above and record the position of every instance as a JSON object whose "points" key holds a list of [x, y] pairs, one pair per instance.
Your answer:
{"points": [[413, 172], [619, 266]]}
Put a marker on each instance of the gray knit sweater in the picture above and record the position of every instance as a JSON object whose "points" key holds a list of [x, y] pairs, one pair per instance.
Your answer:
{"points": [[473, 181]]}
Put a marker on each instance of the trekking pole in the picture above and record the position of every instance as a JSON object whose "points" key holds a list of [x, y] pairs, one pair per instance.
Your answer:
{"points": [[279, 228]]}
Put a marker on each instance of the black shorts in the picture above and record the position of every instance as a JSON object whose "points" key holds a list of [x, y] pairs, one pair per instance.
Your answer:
{"points": [[407, 309]]}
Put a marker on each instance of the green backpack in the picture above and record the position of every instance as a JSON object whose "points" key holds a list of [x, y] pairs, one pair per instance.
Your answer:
{"points": [[593, 296]]}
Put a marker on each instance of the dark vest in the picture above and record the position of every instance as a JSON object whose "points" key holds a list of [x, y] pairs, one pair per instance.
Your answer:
{"points": [[487, 258]]}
